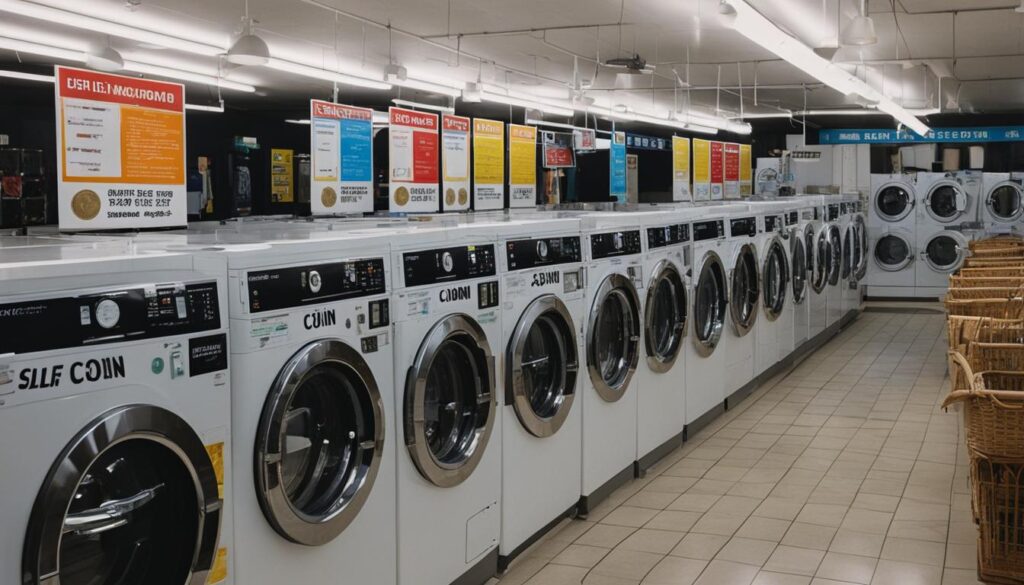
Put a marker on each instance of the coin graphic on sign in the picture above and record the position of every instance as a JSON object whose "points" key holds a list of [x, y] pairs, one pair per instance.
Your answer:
{"points": [[463, 196], [401, 196], [85, 204], [449, 197], [328, 197]]}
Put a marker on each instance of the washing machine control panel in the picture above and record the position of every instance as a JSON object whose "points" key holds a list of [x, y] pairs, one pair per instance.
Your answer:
{"points": [[743, 226], [296, 286], [523, 254], [792, 218], [110, 316], [708, 230], [772, 223], [668, 235], [611, 244], [833, 211], [448, 264]]}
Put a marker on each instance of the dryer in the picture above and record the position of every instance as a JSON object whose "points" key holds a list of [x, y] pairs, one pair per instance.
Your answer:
{"points": [[891, 269], [114, 418], [893, 200], [940, 254], [944, 201], [1002, 206], [744, 271], [774, 332]]}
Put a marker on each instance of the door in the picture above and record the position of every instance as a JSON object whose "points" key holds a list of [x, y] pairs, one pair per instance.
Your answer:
{"points": [[775, 280], [131, 499], [449, 401], [836, 254], [542, 364], [665, 317], [710, 299], [893, 202], [319, 442], [848, 252], [614, 337], [861, 235], [798, 253], [745, 290], [1005, 201], [945, 201], [822, 253], [893, 253], [810, 247], [945, 252]]}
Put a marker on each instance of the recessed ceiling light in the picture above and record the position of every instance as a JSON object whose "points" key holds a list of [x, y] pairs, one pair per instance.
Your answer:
{"points": [[105, 59]]}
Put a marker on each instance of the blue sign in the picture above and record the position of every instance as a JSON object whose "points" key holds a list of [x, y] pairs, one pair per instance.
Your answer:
{"points": [[884, 136], [617, 161], [647, 142], [356, 150]]}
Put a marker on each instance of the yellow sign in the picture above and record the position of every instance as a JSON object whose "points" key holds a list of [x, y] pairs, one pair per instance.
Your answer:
{"points": [[680, 168], [522, 165], [488, 164], [701, 170], [746, 173], [282, 175]]}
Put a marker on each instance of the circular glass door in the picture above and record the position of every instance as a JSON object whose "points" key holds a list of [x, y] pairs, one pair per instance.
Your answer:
{"points": [[1004, 201], [614, 337], [848, 252], [945, 201], [893, 253], [449, 404], [943, 253], [775, 279], [745, 290], [798, 253], [665, 317], [821, 252], [860, 266], [835, 244], [319, 442], [893, 202], [133, 498], [542, 366], [709, 305]]}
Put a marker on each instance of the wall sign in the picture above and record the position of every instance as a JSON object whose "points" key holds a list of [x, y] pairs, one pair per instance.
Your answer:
{"points": [[522, 166], [584, 139], [617, 170], [558, 150], [746, 172], [341, 169], [701, 170], [884, 136], [717, 170], [282, 175], [488, 164], [413, 150], [681, 169], [455, 162], [121, 151], [641, 142], [732, 170]]}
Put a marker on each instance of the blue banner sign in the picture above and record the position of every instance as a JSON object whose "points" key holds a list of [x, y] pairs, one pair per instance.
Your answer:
{"points": [[617, 162], [884, 136]]}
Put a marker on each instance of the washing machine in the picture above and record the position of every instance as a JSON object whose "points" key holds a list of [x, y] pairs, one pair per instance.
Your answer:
{"points": [[542, 320], [819, 252], [851, 257], [835, 284], [860, 255], [774, 331], [801, 267], [742, 259], [614, 256], [705, 360], [114, 418], [447, 339], [893, 200], [1001, 209], [892, 267]]}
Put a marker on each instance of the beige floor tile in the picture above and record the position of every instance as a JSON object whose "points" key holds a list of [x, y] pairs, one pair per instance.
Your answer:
{"points": [[522, 570], [960, 577], [844, 567], [557, 575], [726, 573], [675, 571], [802, 535], [820, 581], [715, 487], [694, 502], [580, 555], [673, 520], [934, 530], [699, 546], [902, 573], [875, 502], [674, 485], [867, 521], [601, 579], [629, 516], [770, 578], [961, 556], [653, 541], [763, 528], [779, 508], [746, 550], [714, 524], [857, 543], [605, 535], [647, 498], [823, 514], [627, 564], [735, 506], [798, 561]]}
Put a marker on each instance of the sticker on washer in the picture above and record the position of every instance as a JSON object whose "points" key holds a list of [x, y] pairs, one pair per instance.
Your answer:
{"points": [[207, 354], [267, 328], [417, 304], [488, 317]]}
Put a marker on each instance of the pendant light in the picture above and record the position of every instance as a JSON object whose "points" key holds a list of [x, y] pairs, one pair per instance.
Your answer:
{"points": [[105, 59], [861, 30], [249, 49]]}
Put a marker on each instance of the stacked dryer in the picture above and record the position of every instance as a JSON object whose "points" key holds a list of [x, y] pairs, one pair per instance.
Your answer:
{"points": [[946, 202], [1002, 207], [891, 236]]}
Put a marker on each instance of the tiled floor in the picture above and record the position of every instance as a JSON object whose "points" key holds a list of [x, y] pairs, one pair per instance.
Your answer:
{"points": [[844, 470]]}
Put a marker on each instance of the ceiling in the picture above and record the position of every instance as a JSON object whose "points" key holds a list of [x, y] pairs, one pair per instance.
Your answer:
{"points": [[542, 46]]}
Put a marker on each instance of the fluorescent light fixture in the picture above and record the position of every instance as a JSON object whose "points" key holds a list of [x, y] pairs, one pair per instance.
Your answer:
{"points": [[249, 49], [528, 104], [147, 69], [381, 118], [471, 95], [41, 50], [219, 109], [325, 75], [420, 106], [765, 115], [105, 59], [304, 121], [546, 124], [425, 86], [26, 76], [753, 25]]}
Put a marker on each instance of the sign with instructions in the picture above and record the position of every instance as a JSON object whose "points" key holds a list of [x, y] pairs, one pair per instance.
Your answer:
{"points": [[488, 164], [522, 166], [413, 149], [455, 162], [341, 166]]}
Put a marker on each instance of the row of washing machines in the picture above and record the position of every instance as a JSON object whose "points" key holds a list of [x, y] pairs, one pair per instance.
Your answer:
{"points": [[921, 224], [381, 401]]}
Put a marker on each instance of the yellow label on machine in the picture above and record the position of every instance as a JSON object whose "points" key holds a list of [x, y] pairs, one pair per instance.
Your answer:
{"points": [[216, 452], [219, 571]]}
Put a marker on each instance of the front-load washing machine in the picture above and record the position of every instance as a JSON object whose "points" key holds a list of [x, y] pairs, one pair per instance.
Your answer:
{"points": [[941, 253], [738, 341], [819, 254], [893, 199], [860, 255], [851, 257], [891, 270], [114, 419], [801, 269], [447, 334], [774, 331], [944, 201], [1002, 207], [613, 252], [836, 283]]}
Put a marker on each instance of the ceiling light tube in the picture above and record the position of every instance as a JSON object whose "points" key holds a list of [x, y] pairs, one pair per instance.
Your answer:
{"points": [[26, 76], [422, 106], [303, 121], [41, 50], [427, 86], [201, 108], [325, 75], [146, 69], [528, 104]]}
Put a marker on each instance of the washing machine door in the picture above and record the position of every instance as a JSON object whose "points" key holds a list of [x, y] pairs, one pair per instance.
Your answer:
{"points": [[835, 264], [893, 202], [542, 364], [798, 255], [774, 280], [665, 316], [448, 410], [849, 252], [822, 253], [710, 298], [613, 342], [133, 498], [1005, 201], [945, 252], [946, 201], [810, 245], [319, 442], [745, 290], [893, 252], [861, 265]]}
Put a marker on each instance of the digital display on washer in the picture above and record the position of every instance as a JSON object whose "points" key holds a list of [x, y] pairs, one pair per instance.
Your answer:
{"points": [[668, 235], [523, 254], [792, 217], [708, 230], [112, 316], [296, 286], [833, 211], [448, 264], [611, 244], [772, 223], [743, 226]]}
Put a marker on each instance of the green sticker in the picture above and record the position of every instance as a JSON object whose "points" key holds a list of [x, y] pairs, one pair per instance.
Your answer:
{"points": [[158, 365]]}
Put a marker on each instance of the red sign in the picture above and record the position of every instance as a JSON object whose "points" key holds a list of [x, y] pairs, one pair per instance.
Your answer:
{"points": [[557, 156], [455, 123], [339, 111], [732, 162], [424, 158], [717, 162], [413, 119], [118, 89]]}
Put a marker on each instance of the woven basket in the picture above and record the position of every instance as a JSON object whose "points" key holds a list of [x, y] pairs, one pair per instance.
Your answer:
{"points": [[993, 408], [994, 262], [996, 242], [992, 271], [997, 308], [1001, 357], [961, 281], [997, 252], [963, 329], [1002, 293], [999, 511]]}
